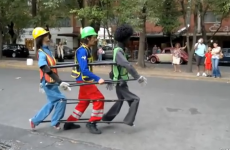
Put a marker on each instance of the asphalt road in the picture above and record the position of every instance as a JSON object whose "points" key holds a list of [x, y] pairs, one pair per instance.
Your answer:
{"points": [[173, 114]]}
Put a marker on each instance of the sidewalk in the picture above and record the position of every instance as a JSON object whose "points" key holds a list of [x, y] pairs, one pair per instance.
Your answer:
{"points": [[20, 139], [150, 71]]}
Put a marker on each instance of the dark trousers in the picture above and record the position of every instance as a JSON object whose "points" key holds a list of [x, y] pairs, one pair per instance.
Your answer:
{"points": [[133, 101]]}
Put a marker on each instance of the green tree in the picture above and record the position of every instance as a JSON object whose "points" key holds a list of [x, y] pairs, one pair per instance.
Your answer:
{"points": [[139, 12], [48, 13], [168, 15], [221, 8], [12, 18]]}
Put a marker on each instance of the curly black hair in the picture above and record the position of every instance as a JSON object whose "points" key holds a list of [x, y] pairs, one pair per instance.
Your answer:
{"points": [[123, 32]]}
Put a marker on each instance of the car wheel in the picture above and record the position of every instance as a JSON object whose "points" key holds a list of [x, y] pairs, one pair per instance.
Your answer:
{"points": [[13, 55], [153, 60]]}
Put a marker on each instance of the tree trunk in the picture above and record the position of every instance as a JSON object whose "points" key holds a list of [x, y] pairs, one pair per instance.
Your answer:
{"points": [[203, 11], [203, 30], [34, 8], [1, 31], [141, 52], [171, 43], [191, 51], [34, 14], [1, 41], [188, 15], [96, 25]]}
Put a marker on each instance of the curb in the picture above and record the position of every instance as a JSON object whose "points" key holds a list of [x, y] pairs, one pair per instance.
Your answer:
{"points": [[165, 75]]}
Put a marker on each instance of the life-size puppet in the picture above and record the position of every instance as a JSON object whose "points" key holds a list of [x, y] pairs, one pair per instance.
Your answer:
{"points": [[120, 72]]}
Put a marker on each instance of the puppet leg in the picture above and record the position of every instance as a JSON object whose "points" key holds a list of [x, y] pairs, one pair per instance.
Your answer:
{"points": [[133, 101], [115, 109]]}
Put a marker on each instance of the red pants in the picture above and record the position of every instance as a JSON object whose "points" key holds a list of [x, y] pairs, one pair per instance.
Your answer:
{"points": [[88, 92]]}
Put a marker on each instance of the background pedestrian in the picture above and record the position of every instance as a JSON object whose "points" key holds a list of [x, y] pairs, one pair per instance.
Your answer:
{"points": [[216, 51], [200, 49], [99, 53], [208, 61], [176, 56], [60, 52]]}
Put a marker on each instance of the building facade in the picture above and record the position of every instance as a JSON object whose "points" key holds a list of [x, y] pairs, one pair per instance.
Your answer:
{"points": [[155, 35], [67, 33]]}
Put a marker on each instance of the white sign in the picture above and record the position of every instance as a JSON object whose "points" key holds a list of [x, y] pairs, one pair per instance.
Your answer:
{"points": [[215, 26]]}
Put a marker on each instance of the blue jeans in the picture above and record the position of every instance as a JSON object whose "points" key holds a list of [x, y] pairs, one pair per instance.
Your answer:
{"points": [[55, 99], [99, 57], [215, 67]]}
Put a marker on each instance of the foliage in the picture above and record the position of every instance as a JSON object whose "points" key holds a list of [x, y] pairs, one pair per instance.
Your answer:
{"points": [[48, 12], [220, 7], [168, 15]]}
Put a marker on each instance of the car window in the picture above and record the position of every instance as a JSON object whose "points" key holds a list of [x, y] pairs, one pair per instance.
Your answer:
{"points": [[13, 47], [226, 53], [21, 46], [106, 48], [167, 51], [225, 50], [5, 46]]}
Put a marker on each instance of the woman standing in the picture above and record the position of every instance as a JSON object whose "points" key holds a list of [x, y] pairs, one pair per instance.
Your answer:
{"points": [[60, 52], [176, 55], [99, 53], [216, 51], [47, 75]]}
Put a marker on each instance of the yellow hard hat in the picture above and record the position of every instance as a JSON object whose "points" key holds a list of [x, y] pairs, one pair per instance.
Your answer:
{"points": [[38, 31]]}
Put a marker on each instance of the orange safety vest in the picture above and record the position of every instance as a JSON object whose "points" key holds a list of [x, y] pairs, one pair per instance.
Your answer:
{"points": [[51, 61]]}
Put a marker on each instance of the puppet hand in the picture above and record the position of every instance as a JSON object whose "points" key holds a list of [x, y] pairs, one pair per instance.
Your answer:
{"points": [[41, 90], [109, 86], [142, 80], [65, 86]]}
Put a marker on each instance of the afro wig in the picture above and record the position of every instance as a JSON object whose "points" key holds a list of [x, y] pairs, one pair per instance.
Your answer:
{"points": [[123, 33]]}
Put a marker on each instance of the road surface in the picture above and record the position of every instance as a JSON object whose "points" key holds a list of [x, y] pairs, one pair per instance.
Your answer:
{"points": [[173, 114]]}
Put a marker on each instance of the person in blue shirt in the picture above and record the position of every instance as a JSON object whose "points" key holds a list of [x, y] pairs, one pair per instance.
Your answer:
{"points": [[83, 73], [48, 76], [200, 49]]}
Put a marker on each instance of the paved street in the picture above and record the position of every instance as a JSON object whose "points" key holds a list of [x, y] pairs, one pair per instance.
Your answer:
{"points": [[173, 115]]}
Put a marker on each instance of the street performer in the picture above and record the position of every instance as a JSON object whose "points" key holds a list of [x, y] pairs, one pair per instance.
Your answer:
{"points": [[120, 72], [48, 76], [83, 73]]}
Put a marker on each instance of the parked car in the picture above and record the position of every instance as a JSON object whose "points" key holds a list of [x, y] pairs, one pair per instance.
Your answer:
{"points": [[226, 57], [15, 50], [109, 53], [68, 52], [166, 57]]}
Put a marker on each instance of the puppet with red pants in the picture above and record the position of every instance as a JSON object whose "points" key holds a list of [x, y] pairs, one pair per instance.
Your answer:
{"points": [[83, 73]]}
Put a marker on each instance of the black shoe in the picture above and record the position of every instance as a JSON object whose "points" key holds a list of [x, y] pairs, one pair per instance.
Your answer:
{"points": [[93, 128], [69, 126]]}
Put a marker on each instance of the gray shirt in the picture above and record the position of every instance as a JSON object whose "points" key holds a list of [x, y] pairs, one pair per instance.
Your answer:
{"points": [[122, 61]]}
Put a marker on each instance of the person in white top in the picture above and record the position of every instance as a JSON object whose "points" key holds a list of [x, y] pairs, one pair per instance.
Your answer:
{"points": [[200, 49], [215, 60], [60, 52]]}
